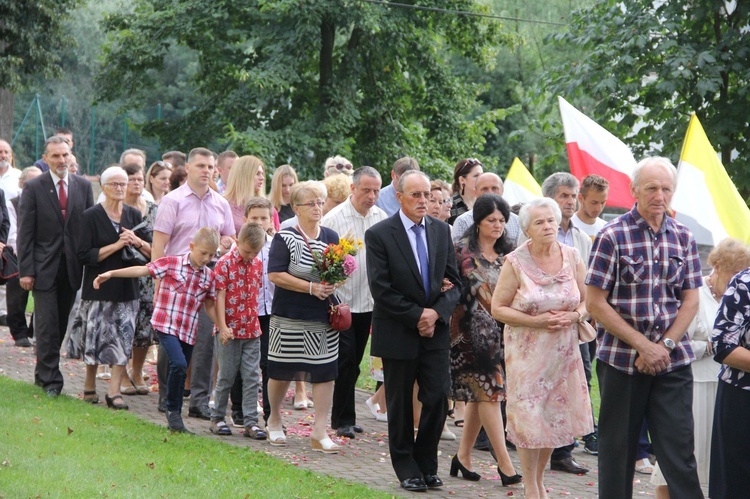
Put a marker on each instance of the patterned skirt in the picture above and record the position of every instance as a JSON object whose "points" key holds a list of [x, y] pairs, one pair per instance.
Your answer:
{"points": [[302, 350], [144, 331], [103, 332]]}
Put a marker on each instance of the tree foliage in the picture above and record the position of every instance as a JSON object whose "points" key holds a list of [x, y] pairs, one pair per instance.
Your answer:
{"points": [[648, 65], [297, 81]]}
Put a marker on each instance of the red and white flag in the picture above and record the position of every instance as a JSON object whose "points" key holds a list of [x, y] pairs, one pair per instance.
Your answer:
{"points": [[592, 150]]}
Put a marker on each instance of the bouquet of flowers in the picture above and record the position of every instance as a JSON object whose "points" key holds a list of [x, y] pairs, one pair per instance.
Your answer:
{"points": [[337, 262]]}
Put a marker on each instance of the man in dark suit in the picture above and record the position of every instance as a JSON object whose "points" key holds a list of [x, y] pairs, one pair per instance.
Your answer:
{"points": [[48, 229], [408, 257]]}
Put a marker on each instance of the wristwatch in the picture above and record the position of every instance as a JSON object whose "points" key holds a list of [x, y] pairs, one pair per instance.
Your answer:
{"points": [[669, 343]]}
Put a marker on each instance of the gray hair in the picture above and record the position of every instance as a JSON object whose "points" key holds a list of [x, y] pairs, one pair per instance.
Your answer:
{"points": [[524, 217], [655, 160], [559, 179], [301, 190], [112, 171], [368, 171], [406, 175], [137, 152], [26, 172]]}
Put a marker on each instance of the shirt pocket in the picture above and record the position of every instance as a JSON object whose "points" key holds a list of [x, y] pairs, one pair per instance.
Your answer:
{"points": [[632, 269], [676, 270]]}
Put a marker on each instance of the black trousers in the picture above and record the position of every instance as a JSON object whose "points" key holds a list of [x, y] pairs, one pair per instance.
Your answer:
{"points": [[236, 394], [352, 344], [666, 401], [16, 299], [431, 370], [52, 307]]}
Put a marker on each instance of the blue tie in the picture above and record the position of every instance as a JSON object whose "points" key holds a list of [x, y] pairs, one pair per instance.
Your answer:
{"points": [[422, 255]]}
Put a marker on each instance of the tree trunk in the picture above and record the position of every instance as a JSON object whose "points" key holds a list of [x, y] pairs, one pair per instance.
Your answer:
{"points": [[327, 37], [6, 114]]}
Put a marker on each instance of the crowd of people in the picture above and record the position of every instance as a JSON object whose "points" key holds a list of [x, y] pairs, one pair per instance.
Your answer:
{"points": [[465, 302]]}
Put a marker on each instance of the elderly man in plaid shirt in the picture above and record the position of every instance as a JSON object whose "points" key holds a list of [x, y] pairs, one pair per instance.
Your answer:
{"points": [[643, 280]]}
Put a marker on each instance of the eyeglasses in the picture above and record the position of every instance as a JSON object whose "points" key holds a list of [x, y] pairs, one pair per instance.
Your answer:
{"points": [[341, 166], [313, 204], [448, 201], [417, 195], [117, 185]]}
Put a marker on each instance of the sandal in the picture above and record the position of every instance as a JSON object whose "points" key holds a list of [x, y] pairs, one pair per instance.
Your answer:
{"points": [[459, 423], [90, 396], [220, 428], [139, 389], [644, 466], [276, 438], [118, 406], [325, 445]]}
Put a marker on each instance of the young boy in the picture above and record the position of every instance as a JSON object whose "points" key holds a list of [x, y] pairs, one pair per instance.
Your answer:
{"points": [[186, 284], [259, 211], [239, 278]]}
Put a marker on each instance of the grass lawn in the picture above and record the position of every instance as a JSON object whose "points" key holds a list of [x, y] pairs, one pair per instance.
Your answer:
{"points": [[65, 447]]}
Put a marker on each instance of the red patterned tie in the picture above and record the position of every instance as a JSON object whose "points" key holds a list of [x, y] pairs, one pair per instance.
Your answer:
{"points": [[63, 198]]}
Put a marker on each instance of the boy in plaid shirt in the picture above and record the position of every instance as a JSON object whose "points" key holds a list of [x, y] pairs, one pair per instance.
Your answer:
{"points": [[186, 284], [239, 278]]}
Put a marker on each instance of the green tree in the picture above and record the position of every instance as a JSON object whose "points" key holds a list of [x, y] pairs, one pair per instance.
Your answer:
{"points": [[298, 81], [30, 35], [648, 65]]}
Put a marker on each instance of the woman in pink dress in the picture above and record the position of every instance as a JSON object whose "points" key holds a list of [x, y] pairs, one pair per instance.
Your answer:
{"points": [[540, 298]]}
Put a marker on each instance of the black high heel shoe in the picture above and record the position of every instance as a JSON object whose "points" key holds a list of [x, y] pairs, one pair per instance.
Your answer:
{"points": [[467, 474], [509, 480]]}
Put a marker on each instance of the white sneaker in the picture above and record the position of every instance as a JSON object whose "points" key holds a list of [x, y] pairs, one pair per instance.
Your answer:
{"points": [[447, 435]]}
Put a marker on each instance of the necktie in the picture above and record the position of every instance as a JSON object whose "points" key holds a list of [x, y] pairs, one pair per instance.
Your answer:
{"points": [[63, 198], [422, 255]]}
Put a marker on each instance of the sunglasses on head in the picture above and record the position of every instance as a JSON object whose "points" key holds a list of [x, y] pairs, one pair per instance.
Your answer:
{"points": [[342, 166]]}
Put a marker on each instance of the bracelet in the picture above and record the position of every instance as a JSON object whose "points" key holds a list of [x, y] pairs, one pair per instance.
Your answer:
{"points": [[310, 288], [580, 316]]}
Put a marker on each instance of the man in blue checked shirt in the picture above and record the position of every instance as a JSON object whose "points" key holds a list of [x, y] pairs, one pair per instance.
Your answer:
{"points": [[643, 280]]}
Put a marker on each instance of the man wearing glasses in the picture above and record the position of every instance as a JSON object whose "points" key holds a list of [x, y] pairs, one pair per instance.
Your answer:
{"points": [[411, 268], [50, 212]]}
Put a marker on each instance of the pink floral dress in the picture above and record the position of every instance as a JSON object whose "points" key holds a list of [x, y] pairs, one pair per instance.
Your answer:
{"points": [[547, 398]]}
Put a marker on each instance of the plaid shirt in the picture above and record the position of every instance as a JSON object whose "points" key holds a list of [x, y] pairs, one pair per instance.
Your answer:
{"points": [[182, 291], [243, 282], [645, 273]]}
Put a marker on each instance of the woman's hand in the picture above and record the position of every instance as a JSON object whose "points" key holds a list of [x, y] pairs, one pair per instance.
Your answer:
{"points": [[556, 320], [128, 238], [322, 291]]}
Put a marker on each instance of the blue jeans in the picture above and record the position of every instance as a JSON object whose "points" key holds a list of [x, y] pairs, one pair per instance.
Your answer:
{"points": [[179, 353]]}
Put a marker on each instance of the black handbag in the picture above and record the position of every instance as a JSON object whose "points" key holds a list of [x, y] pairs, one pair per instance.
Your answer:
{"points": [[130, 256], [8, 265]]}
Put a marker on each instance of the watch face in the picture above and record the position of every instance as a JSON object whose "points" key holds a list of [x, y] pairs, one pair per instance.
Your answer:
{"points": [[669, 343]]}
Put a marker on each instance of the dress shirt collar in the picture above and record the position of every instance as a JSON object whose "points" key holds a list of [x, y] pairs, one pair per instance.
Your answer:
{"points": [[408, 223], [56, 179]]}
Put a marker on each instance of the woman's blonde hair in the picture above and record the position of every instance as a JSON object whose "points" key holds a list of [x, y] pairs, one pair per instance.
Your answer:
{"points": [[241, 182], [276, 197], [338, 187], [732, 255], [154, 170]]}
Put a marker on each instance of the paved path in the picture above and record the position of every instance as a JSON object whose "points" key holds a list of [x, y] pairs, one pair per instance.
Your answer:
{"points": [[365, 460]]}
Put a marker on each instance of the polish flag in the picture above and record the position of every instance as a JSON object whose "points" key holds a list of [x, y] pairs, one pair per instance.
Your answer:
{"points": [[592, 150]]}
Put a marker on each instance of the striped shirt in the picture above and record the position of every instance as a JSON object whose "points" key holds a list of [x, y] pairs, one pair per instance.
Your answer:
{"points": [[645, 273], [348, 222]]}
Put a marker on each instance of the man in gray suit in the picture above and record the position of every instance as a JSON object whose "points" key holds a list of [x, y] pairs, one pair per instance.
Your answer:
{"points": [[48, 229]]}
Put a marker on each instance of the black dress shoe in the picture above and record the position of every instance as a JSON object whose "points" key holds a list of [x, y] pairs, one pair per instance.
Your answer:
{"points": [[568, 465], [357, 428], [53, 392], [24, 342], [414, 485], [345, 431], [202, 412], [433, 481]]}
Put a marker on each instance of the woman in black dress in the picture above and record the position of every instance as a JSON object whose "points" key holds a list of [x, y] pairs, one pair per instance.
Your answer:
{"points": [[477, 373]]}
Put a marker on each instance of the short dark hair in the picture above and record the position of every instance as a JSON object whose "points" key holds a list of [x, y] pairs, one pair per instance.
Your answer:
{"points": [[179, 174], [63, 130], [175, 158], [252, 234], [368, 171], [200, 151], [258, 202], [132, 168], [405, 164], [595, 182]]}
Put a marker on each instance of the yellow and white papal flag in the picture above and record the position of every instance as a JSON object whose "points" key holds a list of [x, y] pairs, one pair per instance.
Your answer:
{"points": [[520, 186], [706, 200]]}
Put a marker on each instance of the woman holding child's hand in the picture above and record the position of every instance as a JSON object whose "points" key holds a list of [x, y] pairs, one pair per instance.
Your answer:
{"points": [[104, 325], [302, 345]]}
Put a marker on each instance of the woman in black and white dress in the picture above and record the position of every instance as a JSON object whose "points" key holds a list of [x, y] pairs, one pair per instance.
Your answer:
{"points": [[104, 326], [301, 343]]}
